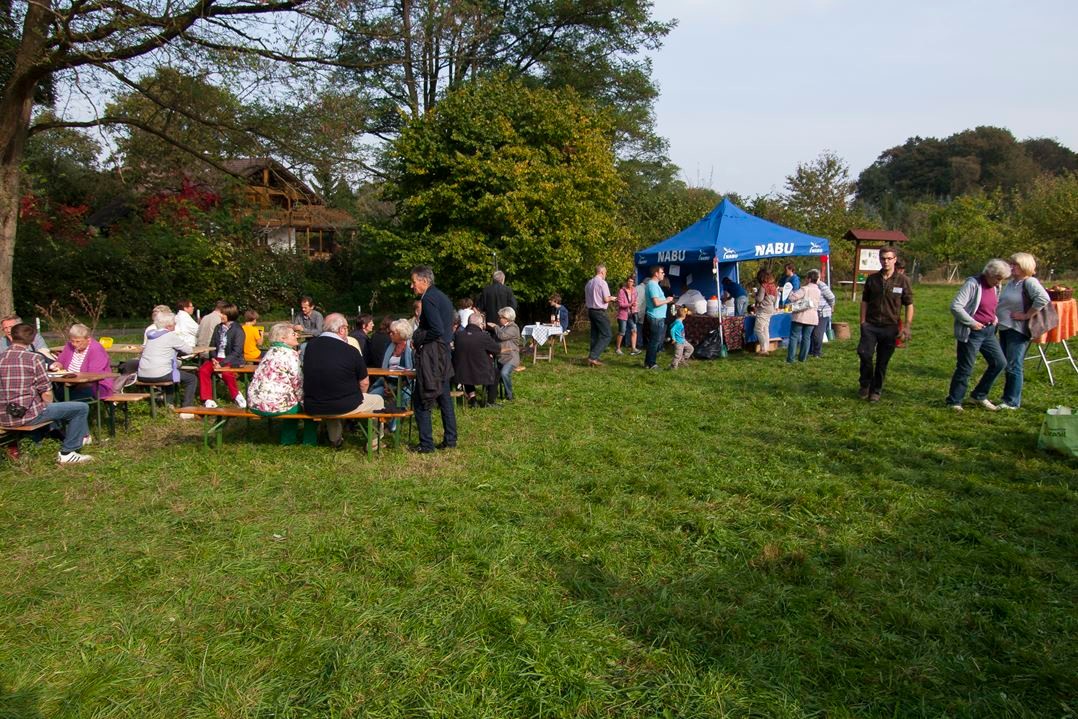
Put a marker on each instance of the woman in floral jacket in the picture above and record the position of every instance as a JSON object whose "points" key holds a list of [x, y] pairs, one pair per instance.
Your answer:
{"points": [[277, 385]]}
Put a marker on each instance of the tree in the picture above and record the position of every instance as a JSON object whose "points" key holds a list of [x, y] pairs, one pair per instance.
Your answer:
{"points": [[502, 170], [964, 233], [1047, 217], [78, 44], [414, 53]]}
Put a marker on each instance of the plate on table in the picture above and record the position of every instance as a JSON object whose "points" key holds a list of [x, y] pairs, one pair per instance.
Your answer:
{"points": [[61, 375]]}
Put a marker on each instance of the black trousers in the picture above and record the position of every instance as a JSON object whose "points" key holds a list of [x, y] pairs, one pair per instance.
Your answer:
{"points": [[600, 332], [876, 342], [423, 421]]}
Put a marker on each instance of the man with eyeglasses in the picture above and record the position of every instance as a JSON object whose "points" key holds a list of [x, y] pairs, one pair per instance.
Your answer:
{"points": [[885, 294]]}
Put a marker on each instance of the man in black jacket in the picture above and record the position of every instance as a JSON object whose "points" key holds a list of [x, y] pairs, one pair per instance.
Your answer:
{"points": [[433, 362], [335, 378], [495, 296]]}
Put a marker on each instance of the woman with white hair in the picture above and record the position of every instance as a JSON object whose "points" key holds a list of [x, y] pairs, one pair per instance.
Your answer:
{"points": [[975, 324], [82, 353], [508, 335], [1022, 298], [397, 356], [276, 389], [160, 359]]}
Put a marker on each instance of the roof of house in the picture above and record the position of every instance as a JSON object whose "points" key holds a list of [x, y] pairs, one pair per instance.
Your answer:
{"points": [[858, 235], [248, 166]]}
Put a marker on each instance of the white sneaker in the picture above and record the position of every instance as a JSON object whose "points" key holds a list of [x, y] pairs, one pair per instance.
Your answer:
{"points": [[73, 458], [987, 404], [241, 401], [209, 404], [957, 407], [1004, 405], [618, 352], [185, 415], [635, 352]]}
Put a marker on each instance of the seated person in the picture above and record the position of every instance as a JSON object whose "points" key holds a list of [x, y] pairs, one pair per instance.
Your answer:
{"points": [[26, 396], [362, 335], [380, 340], [228, 339], [397, 356], [38, 345], [82, 353], [560, 311], [309, 320], [335, 378], [160, 360], [185, 321], [276, 389], [474, 351], [252, 337]]}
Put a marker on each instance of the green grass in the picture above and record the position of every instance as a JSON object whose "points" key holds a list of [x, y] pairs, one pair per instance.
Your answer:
{"points": [[741, 538]]}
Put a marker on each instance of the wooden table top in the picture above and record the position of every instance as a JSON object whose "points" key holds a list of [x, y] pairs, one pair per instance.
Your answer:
{"points": [[82, 377], [381, 372]]}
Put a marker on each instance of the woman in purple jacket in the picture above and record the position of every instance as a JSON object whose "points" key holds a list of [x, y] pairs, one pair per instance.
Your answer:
{"points": [[82, 353]]}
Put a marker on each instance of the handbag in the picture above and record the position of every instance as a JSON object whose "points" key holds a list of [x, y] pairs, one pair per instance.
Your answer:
{"points": [[1042, 322], [802, 304]]}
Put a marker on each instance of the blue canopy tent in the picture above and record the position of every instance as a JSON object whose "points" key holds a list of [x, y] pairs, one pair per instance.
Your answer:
{"points": [[702, 254]]}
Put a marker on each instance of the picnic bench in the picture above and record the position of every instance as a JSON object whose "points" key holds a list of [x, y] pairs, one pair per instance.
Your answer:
{"points": [[214, 420]]}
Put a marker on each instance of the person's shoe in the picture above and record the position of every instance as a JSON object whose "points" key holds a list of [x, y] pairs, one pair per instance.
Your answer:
{"points": [[209, 404], [376, 444], [874, 397], [185, 415], [987, 404], [13, 452], [241, 401], [519, 368], [618, 352], [338, 445], [88, 439], [444, 445], [1004, 405], [473, 402], [73, 458], [594, 363], [635, 352], [654, 366], [862, 393], [418, 449], [957, 408]]}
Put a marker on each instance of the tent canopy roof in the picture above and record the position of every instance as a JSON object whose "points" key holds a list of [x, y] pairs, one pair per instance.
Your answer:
{"points": [[732, 235]]}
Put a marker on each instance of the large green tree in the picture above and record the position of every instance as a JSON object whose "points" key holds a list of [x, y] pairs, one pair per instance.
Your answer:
{"points": [[521, 174], [1047, 217]]}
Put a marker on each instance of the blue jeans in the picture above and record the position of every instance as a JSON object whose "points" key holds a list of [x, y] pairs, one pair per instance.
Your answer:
{"points": [[800, 340], [505, 371], [627, 327], [75, 415], [1014, 345], [600, 332], [656, 335], [983, 341], [818, 332]]}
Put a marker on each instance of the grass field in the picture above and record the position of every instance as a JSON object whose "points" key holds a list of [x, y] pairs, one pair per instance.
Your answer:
{"points": [[740, 538]]}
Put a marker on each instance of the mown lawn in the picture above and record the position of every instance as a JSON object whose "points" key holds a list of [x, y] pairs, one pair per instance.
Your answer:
{"points": [[741, 538]]}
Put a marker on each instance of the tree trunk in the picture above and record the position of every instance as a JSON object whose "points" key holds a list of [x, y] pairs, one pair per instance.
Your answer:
{"points": [[15, 109]]}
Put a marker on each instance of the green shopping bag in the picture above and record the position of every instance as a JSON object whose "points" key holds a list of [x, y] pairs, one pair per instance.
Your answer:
{"points": [[1059, 432]]}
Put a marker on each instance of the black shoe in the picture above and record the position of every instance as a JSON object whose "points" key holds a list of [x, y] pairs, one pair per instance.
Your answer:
{"points": [[419, 449], [445, 445], [338, 445]]}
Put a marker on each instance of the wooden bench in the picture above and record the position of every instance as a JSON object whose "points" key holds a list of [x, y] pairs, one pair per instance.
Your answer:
{"points": [[155, 388], [125, 401], [214, 420], [16, 432]]}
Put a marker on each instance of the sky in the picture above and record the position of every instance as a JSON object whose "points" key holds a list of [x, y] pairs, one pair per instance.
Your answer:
{"points": [[751, 88]]}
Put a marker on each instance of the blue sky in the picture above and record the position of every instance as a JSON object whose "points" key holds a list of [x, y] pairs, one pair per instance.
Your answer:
{"points": [[750, 88]]}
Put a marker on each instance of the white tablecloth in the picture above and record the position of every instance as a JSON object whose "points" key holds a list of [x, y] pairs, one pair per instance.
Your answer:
{"points": [[541, 333]]}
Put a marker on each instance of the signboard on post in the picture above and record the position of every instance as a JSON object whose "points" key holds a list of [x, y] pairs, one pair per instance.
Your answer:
{"points": [[869, 261]]}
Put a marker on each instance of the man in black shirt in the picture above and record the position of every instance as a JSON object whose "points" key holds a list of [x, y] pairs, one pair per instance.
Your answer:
{"points": [[433, 362], [335, 378], [495, 296], [885, 293]]}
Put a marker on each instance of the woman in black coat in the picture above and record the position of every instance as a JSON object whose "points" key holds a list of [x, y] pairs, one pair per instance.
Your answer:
{"points": [[474, 351]]}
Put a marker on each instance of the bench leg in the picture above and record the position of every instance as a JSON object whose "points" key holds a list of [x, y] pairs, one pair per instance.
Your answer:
{"points": [[153, 402], [112, 419]]}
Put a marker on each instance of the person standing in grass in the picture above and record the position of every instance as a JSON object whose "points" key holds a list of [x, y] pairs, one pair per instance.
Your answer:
{"points": [[682, 348], [656, 302], [767, 298], [826, 310], [433, 362], [1023, 297], [884, 296], [802, 322], [627, 315], [596, 297], [975, 326]]}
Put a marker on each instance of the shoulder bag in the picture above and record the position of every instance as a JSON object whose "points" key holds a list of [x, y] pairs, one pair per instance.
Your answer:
{"points": [[1045, 320]]}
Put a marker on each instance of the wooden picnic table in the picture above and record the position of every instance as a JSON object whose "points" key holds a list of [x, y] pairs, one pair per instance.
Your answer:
{"points": [[72, 378]]}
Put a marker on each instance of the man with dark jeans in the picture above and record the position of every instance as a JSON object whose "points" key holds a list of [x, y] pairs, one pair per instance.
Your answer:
{"points": [[597, 296], [885, 293], [655, 303], [433, 363], [26, 396]]}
